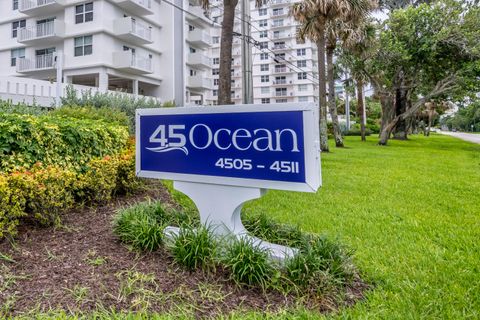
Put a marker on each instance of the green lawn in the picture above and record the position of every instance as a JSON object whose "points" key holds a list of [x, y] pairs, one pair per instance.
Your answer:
{"points": [[411, 211]]}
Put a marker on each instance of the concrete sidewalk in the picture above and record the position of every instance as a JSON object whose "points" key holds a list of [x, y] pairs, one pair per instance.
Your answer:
{"points": [[475, 138]]}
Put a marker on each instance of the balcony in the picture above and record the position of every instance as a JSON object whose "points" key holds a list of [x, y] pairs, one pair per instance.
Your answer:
{"points": [[132, 62], [279, 13], [199, 38], [199, 82], [132, 30], [43, 33], [136, 7], [279, 47], [199, 60], [40, 7], [279, 2], [39, 63], [197, 14]]}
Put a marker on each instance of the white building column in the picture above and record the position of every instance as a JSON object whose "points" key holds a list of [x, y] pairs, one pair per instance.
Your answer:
{"points": [[102, 81], [135, 87]]}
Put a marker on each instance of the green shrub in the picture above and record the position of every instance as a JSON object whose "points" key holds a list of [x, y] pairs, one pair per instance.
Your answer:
{"points": [[65, 142], [357, 132], [21, 108], [97, 183], [117, 101], [194, 248], [247, 263], [47, 192], [10, 209], [87, 112], [141, 225]]}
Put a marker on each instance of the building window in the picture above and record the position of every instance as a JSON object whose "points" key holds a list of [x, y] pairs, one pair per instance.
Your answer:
{"points": [[215, 40], [16, 53], [281, 101], [216, 60], [302, 99], [264, 67], [84, 12], [265, 100], [281, 80], [263, 45], [263, 34], [262, 23], [216, 82], [83, 46], [192, 50], [215, 93], [279, 92], [215, 71], [263, 56], [302, 87], [17, 25], [301, 52], [264, 90], [302, 63], [262, 12], [302, 76], [190, 27], [264, 79], [278, 23], [279, 57], [277, 11], [193, 72], [15, 5]]}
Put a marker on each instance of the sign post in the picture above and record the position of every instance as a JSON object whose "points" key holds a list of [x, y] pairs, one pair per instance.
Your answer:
{"points": [[223, 156]]}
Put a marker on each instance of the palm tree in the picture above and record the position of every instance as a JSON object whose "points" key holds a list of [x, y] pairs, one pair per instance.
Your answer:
{"points": [[226, 40], [313, 16], [356, 43], [344, 26]]}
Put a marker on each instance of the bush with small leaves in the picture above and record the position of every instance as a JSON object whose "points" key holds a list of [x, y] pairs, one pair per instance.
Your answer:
{"points": [[194, 247], [247, 263]]}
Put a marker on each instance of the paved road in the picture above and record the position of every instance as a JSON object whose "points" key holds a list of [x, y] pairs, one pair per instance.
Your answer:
{"points": [[475, 138]]}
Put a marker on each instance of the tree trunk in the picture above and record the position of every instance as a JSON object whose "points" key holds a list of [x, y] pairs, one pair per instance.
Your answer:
{"points": [[322, 89], [225, 73], [400, 130], [332, 105], [360, 108]]}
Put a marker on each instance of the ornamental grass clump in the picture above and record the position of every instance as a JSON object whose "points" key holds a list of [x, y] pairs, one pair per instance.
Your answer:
{"points": [[247, 263], [194, 247], [319, 265], [141, 226]]}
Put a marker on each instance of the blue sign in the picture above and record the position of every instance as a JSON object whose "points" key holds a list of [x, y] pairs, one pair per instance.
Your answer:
{"points": [[243, 145]]}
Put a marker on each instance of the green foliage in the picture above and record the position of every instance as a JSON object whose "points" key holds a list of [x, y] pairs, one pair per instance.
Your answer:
{"points": [[26, 140], [247, 263], [194, 248], [97, 183], [108, 115], [116, 101], [46, 192], [21, 108], [10, 209], [466, 119], [141, 226]]}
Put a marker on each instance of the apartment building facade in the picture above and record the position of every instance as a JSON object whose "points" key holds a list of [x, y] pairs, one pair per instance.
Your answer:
{"points": [[133, 46], [284, 68]]}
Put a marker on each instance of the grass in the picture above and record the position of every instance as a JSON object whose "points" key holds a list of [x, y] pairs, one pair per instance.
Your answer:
{"points": [[410, 211]]}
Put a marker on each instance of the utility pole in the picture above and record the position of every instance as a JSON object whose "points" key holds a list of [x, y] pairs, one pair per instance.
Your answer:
{"points": [[247, 81]]}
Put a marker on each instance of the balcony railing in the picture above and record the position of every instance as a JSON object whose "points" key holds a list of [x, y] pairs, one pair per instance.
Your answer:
{"points": [[141, 30], [274, 2], [279, 46], [138, 62], [40, 62], [280, 93], [280, 70], [38, 31], [278, 13], [138, 7], [32, 4]]}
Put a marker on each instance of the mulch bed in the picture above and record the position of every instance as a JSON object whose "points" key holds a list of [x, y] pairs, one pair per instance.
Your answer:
{"points": [[82, 266]]}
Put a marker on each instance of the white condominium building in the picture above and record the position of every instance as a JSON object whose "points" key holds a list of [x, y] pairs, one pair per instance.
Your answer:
{"points": [[133, 46], [284, 68]]}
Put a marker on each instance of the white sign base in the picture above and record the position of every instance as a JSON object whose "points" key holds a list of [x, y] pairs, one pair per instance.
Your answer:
{"points": [[220, 208]]}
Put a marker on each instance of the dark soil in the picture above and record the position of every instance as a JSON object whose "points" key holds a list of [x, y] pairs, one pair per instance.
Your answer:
{"points": [[82, 266]]}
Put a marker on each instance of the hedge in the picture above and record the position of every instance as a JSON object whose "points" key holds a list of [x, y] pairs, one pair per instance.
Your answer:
{"points": [[42, 193], [56, 140]]}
